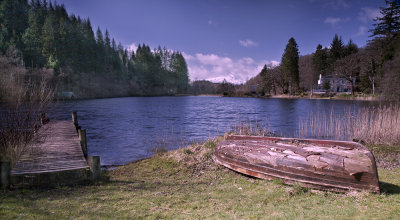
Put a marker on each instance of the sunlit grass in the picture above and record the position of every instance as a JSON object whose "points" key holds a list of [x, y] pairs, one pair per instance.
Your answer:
{"points": [[182, 185]]}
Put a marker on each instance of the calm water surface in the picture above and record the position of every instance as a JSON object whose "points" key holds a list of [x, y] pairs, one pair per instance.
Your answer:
{"points": [[121, 130]]}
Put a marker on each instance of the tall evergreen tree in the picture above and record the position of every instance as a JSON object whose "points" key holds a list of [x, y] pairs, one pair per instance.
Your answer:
{"points": [[32, 39], [100, 60], [290, 66], [320, 62], [350, 48], [266, 84], [49, 39], [337, 49], [179, 68], [99, 38], [388, 25], [13, 22]]}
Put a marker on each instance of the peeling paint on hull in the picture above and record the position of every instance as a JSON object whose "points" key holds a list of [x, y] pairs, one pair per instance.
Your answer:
{"points": [[320, 164]]}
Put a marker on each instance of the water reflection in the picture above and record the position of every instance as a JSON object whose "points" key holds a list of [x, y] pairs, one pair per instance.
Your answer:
{"points": [[121, 130]]}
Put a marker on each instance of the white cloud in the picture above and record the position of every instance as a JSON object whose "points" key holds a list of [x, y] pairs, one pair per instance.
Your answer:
{"points": [[368, 14], [217, 68], [248, 43], [132, 47], [275, 63], [334, 21], [188, 57], [362, 30]]}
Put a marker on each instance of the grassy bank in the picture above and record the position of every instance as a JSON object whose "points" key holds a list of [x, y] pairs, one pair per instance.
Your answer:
{"points": [[185, 184], [356, 97]]}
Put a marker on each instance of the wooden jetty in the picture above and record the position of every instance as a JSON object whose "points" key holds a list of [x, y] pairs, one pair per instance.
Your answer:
{"points": [[321, 164], [57, 155]]}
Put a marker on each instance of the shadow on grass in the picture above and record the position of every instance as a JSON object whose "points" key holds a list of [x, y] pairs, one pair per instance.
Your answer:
{"points": [[389, 188], [73, 190]]}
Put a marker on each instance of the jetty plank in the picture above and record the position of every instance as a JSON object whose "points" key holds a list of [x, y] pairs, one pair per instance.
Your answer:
{"points": [[55, 148]]}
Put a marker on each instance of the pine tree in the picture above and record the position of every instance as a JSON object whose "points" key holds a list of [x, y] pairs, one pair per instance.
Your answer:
{"points": [[336, 51], [89, 46], [32, 40], [100, 52], [13, 22], [179, 68], [49, 39], [107, 42], [350, 48], [99, 38], [388, 25], [290, 65], [266, 84], [320, 62]]}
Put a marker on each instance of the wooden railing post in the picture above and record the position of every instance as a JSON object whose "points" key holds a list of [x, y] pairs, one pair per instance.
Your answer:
{"points": [[94, 164], [82, 139], [43, 118], [75, 119], [5, 168]]}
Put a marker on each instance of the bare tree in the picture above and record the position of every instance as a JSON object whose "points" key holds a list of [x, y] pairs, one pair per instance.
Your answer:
{"points": [[307, 72], [348, 68], [26, 95], [391, 81]]}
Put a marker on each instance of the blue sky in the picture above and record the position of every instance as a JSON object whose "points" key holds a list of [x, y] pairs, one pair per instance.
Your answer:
{"points": [[230, 39]]}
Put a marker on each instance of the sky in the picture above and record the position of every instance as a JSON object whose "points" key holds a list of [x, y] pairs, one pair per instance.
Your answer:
{"points": [[229, 39]]}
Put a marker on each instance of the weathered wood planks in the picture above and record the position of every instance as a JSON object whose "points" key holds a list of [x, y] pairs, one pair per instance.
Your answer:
{"points": [[328, 165], [55, 148]]}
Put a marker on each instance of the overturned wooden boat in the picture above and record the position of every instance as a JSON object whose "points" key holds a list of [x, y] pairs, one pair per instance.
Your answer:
{"points": [[321, 164]]}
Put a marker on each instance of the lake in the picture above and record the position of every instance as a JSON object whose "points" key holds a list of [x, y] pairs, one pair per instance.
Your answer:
{"points": [[122, 130]]}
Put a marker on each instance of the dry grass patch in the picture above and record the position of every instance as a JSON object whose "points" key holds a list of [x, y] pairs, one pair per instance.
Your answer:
{"points": [[372, 125]]}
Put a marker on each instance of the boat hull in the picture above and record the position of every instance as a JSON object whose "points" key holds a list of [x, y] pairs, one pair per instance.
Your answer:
{"points": [[320, 164]]}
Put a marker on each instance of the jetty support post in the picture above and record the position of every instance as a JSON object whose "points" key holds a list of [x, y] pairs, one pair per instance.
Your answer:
{"points": [[5, 169], [82, 139], [75, 119], [94, 164]]}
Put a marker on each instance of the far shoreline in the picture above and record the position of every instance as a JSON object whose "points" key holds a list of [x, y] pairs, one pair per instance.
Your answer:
{"points": [[281, 96]]}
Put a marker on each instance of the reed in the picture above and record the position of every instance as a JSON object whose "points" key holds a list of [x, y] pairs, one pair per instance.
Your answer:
{"points": [[372, 125], [254, 129]]}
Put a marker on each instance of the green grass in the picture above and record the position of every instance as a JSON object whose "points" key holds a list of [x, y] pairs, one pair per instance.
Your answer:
{"points": [[178, 185], [386, 156]]}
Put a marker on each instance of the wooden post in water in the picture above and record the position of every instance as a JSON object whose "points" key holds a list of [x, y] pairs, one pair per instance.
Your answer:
{"points": [[75, 119], [82, 139], [94, 164], [5, 168]]}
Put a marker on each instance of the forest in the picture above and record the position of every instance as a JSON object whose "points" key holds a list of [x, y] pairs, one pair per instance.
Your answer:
{"points": [[373, 70], [42, 35], [63, 48]]}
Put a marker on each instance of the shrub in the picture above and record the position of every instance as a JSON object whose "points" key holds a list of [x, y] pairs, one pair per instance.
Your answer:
{"points": [[27, 95]]}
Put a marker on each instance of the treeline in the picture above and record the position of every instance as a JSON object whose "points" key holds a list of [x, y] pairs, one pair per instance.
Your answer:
{"points": [[298, 74], [374, 69], [44, 35], [224, 88]]}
